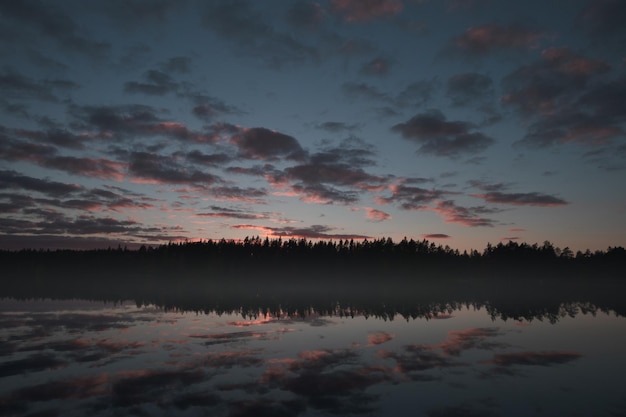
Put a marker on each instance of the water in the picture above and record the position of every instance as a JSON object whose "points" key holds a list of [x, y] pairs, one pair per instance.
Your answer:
{"points": [[79, 357]]}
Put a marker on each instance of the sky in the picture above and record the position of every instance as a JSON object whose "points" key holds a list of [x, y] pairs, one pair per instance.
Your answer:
{"points": [[463, 122]]}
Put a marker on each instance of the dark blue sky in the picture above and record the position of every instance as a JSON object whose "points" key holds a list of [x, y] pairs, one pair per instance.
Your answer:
{"points": [[461, 121]]}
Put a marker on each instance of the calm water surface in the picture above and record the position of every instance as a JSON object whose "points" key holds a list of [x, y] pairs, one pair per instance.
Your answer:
{"points": [[76, 358]]}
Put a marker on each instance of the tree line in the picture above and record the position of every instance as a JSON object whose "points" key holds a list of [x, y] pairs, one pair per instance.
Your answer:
{"points": [[267, 257]]}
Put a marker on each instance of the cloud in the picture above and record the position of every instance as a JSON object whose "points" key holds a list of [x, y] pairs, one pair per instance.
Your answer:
{"points": [[156, 83], [49, 21], [522, 199], [14, 180], [436, 236], [33, 363], [366, 91], [57, 137], [465, 216], [601, 20], [469, 88], [262, 143], [336, 127], [376, 215], [410, 197], [161, 169], [215, 159], [440, 137], [547, 358], [364, 10], [418, 93], [418, 358], [315, 231], [135, 14], [305, 14], [237, 22], [378, 338], [377, 67], [480, 40], [18, 87], [88, 167], [472, 338], [539, 88]]}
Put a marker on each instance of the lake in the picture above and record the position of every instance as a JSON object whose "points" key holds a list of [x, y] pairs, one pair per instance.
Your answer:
{"points": [[77, 357]]}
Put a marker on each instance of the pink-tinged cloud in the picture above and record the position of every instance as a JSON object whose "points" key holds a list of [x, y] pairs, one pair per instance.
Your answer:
{"points": [[466, 216], [364, 10], [315, 231], [376, 215], [482, 39], [473, 338], [410, 197], [565, 61], [517, 229], [436, 236], [379, 338], [522, 199]]}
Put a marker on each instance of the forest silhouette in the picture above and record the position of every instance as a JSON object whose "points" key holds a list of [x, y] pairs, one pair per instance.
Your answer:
{"points": [[298, 277]]}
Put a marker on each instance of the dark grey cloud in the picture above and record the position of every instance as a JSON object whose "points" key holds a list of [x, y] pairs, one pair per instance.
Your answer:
{"points": [[262, 143], [230, 213], [131, 121], [480, 40], [177, 64], [469, 87], [155, 83], [14, 180], [362, 11], [543, 86], [166, 170], [336, 127], [235, 193], [305, 14], [418, 94], [377, 67], [57, 137], [206, 107], [601, 19], [238, 22], [436, 236], [214, 159], [547, 358], [440, 137], [362, 90], [522, 199], [50, 21], [17, 86], [133, 14], [410, 197], [33, 363]]}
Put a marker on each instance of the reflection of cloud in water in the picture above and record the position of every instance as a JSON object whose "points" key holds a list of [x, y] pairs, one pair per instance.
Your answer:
{"points": [[474, 338], [533, 358], [235, 370], [378, 338]]}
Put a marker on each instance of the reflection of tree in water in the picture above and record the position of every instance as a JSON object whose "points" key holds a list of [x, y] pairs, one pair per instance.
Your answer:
{"points": [[380, 278]]}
